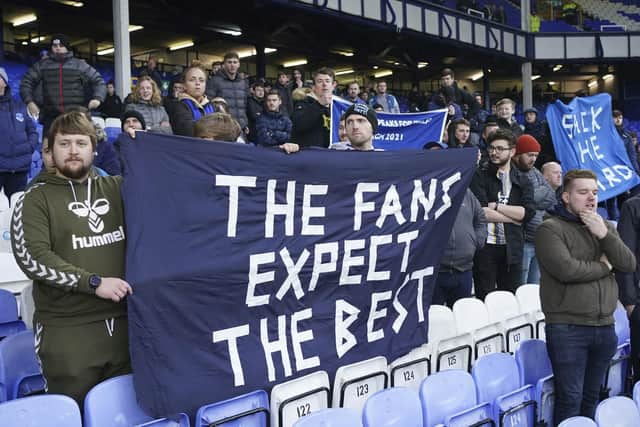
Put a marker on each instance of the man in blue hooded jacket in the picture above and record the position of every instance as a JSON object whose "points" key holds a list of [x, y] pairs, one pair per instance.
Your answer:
{"points": [[19, 140]]}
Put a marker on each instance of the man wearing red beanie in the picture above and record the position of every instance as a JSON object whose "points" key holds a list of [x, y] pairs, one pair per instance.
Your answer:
{"points": [[507, 200], [527, 151]]}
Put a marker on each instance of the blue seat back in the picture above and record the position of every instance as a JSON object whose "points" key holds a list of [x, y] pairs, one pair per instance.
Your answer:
{"points": [[51, 410], [621, 324], [112, 403], [495, 375], [248, 410], [578, 422], [332, 417], [617, 411], [8, 307], [533, 361], [636, 394], [393, 407], [19, 369], [112, 133], [446, 393]]}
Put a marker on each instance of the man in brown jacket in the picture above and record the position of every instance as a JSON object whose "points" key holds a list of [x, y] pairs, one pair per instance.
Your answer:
{"points": [[577, 252]]}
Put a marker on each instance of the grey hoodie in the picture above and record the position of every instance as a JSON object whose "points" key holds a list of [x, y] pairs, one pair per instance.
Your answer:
{"points": [[469, 234]]}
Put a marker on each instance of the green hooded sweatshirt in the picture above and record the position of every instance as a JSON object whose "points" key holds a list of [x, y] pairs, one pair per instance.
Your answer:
{"points": [[62, 233]]}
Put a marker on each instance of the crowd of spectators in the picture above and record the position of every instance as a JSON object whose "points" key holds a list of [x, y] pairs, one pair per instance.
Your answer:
{"points": [[492, 245]]}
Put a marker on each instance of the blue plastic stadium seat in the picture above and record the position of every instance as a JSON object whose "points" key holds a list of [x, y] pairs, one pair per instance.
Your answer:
{"points": [[393, 407], [535, 369], [51, 410], [113, 403], [636, 394], [332, 417], [248, 410], [9, 323], [498, 382], [616, 376], [112, 133], [449, 398], [578, 422], [617, 411], [19, 369]]}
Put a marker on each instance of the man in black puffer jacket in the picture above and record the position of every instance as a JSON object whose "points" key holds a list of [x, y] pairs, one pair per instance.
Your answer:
{"points": [[228, 84], [64, 79]]}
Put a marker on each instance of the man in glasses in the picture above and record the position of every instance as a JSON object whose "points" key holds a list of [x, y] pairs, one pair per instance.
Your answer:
{"points": [[507, 200]]}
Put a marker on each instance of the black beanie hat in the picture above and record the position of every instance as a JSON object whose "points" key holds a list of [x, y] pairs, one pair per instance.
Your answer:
{"points": [[132, 113], [365, 111], [61, 39]]}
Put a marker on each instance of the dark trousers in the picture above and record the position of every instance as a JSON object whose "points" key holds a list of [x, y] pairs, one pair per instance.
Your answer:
{"points": [[579, 357], [634, 323], [12, 182], [75, 358], [451, 286], [491, 268]]}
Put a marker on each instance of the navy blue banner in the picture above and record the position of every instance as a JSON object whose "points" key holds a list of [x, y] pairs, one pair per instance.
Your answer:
{"points": [[251, 267], [585, 137], [406, 131]]}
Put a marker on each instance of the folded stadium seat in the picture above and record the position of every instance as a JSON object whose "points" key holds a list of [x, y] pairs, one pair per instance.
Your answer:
{"points": [[498, 382], [617, 411], [449, 349], [299, 397], [98, 121], [393, 407], [503, 308], [113, 122], [248, 410], [27, 305], [332, 417], [9, 323], [449, 398], [578, 422], [615, 379], [113, 128], [535, 369], [472, 317], [528, 297], [636, 394], [113, 403], [354, 383], [410, 369], [19, 370], [51, 410]]}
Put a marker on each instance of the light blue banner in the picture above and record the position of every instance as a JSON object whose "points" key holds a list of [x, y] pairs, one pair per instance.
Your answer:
{"points": [[585, 137]]}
